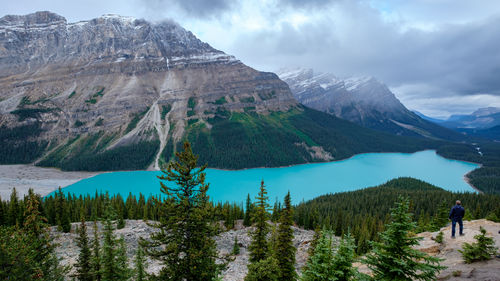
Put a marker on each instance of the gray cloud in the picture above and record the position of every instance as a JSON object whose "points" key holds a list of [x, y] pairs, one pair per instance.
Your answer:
{"points": [[191, 8], [459, 59]]}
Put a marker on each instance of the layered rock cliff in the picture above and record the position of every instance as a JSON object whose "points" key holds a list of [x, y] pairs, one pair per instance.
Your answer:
{"points": [[116, 81]]}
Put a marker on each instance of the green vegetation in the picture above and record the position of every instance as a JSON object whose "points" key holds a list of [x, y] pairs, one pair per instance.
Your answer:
{"points": [[89, 154], [91, 101], [364, 212], [72, 94], [78, 123], [191, 103], [220, 101], [285, 250], [26, 250], [133, 123], [184, 243], [99, 122], [164, 110], [486, 178], [267, 95], [99, 93], [247, 100], [25, 113], [245, 140], [327, 264], [483, 249], [263, 264], [18, 144], [83, 263], [394, 258], [191, 113]]}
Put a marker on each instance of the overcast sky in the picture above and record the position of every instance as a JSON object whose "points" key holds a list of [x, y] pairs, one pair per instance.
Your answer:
{"points": [[438, 56]]}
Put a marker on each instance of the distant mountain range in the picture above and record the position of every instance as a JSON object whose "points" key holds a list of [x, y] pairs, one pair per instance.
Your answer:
{"points": [[484, 123], [117, 93], [362, 100]]}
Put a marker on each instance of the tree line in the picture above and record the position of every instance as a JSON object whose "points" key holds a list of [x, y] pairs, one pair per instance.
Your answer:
{"points": [[186, 223]]}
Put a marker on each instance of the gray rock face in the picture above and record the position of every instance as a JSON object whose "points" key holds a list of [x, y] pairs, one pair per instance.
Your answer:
{"points": [[236, 269], [116, 68]]}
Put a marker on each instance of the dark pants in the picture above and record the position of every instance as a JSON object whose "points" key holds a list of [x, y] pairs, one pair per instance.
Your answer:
{"points": [[454, 223]]}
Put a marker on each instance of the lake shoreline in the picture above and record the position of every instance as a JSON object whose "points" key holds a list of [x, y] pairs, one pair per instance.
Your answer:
{"points": [[46, 180]]}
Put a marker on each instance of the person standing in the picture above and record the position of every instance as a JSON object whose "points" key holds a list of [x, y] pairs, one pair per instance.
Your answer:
{"points": [[456, 215]]}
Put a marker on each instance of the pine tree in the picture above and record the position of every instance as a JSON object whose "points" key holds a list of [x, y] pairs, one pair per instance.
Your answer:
{"points": [[83, 264], [62, 216], [140, 272], [247, 221], [32, 254], [319, 267], [394, 257], [2, 213], [114, 258], [14, 212], [483, 249], [184, 243], [285, 251], [124, 272], [263, 270], [259, 247], [236, 247], [343, 259], [96, 255]]}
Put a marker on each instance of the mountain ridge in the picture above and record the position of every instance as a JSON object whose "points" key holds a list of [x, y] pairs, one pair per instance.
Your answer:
{"points": [[362, 100]]}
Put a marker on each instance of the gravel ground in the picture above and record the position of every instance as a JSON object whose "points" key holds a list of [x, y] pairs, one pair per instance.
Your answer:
{"points": [[42, 180]]}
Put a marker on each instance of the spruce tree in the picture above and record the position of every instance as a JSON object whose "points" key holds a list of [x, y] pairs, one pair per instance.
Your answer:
{"points": [[343, 259], [13, 212], [259, 246], [247, 220], [394, 258], [483, 249], [83, 264], [114, 259], [62, 215], [140, 272], [124, 273], [2, 213], [184, 243], [285, 251], [96, 255], [236, 247], [319, 266], [28, 253], [263, 270]]}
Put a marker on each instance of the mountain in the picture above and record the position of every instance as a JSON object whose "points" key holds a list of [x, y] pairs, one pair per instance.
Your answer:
{"points": [[117, 93], [483, 118], [363, 100], [425, 117]]}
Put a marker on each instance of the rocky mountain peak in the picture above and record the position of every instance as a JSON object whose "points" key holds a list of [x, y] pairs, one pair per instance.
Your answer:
{"points": [[121, 81], [36, 19]]}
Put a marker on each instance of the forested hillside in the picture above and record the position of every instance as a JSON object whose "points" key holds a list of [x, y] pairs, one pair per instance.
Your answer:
{"points": [[364, 212], [486, 178]]}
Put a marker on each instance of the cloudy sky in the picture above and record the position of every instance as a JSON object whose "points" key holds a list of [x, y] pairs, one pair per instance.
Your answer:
{"points": [[438, 56]]}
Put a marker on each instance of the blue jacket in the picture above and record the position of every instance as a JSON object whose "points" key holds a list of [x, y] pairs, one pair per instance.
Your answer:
{"points": [[457, 212]]}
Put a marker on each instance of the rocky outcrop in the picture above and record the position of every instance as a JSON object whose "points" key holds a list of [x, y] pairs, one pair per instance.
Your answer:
{"points": [[130, 79], [235, 270], [362, 100]]}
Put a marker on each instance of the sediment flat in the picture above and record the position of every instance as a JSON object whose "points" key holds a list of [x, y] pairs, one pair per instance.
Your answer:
{"points": [[42, 180]]}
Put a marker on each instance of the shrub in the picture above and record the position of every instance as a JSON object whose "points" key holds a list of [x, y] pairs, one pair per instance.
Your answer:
{"points": [[439, 237], [481, 250]]}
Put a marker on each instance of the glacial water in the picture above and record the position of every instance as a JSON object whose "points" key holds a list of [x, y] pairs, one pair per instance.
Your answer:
{"points": [[304, 181]]}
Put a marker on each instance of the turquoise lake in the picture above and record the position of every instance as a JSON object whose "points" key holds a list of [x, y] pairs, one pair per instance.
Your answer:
{"points": [[304, 181]]}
